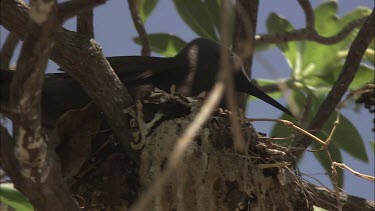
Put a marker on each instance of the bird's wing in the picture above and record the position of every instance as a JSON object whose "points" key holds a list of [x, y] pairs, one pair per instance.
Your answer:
{"points": [[131, 68]]}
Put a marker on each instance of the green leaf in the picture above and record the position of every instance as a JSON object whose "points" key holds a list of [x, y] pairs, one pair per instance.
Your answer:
{"points": [[319, 59], [364, 75], [145, 7], [324, 161], [278, 24], [369, 55], [13, 198], [214, 11], [197, 16], [319, 208], [165, 44], [346, 137]]}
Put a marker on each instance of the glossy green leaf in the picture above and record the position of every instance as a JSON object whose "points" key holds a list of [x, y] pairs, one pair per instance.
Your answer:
{"points": [[197, 16], [278, 24], [13, 198], [165, 44], [372, 144], [213, 7], [324, 161], [319, 59], [365, 75], [145, 7]]}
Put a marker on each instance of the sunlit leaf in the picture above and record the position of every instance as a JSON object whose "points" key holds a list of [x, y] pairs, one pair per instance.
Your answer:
{"points": [[320, 59], [13, 198], [197, 16], [278, 24], [165, 44], [319, 208], [145, 7]]}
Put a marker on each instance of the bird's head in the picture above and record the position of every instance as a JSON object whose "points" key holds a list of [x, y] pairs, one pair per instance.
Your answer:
{"points": [[202, 56]]}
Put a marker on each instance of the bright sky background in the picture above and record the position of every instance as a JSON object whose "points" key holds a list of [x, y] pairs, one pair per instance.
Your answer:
{"points": [[114, 32]]}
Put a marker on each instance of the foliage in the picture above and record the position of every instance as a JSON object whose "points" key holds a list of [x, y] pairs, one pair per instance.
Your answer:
{"points": [[145, 7], [315, 67], [13, 198]]}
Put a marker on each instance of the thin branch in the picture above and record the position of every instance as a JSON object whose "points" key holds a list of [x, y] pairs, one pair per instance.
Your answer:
{"points": [[69, 9], [139, 27], [356, 51], [363, 176], [309, 13], [307, 34], [7, 50], [288, 124], [181, 146]]}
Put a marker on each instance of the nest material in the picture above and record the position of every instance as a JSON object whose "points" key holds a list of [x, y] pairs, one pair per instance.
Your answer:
{"points": [[211, 175]]}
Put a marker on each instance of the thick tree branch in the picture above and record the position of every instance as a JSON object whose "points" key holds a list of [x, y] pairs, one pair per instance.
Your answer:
{"points": [[54, 188], [26, 91], [7, 50], [32, 167], [83, 60], [139, 27], [352, 62]]}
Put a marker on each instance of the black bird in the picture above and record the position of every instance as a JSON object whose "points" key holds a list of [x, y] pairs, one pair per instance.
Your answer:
{"points": [[193, 70]]}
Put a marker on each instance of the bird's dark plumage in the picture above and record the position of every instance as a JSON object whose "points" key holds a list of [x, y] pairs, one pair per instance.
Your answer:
{"points": [[193, 70]]}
